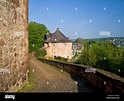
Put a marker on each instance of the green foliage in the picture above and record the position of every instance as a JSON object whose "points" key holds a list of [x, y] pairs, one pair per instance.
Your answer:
{"points": [[36, 33], [31, 85], [40, 53], [104, 55], [61, 58], [87, 57]]}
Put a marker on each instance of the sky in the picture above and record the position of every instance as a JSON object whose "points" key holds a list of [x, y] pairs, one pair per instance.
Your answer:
{"points": [[80, 18]]}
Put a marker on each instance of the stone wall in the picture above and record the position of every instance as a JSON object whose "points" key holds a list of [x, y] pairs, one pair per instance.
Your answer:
{"points": [[13, 44], [105, 81], [59, 49]]}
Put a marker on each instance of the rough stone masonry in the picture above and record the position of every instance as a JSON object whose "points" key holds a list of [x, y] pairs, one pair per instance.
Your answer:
{"points": [[13, 45]]}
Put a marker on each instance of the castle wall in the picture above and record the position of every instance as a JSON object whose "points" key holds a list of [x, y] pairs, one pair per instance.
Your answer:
{"points": [[59, 49], [13, 44]]}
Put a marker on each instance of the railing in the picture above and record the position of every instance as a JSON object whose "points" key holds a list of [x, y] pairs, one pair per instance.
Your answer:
{"points": [[106, 81]]}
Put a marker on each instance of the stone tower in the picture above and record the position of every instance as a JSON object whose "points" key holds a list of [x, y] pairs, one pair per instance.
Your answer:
{"points": [[13, 44]]}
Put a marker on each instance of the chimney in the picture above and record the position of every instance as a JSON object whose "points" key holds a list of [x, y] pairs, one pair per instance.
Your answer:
{"points": [[57, 28]]}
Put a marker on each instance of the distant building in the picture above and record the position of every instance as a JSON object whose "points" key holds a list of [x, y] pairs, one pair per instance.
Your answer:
{"points": [[57, 44], [77, 48]]}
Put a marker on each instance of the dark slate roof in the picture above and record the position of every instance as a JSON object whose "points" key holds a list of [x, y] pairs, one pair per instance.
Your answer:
{"points": [[56, 37], [78, 45]]}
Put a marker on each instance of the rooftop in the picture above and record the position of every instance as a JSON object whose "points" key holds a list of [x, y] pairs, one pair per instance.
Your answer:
{"points": [[56, 37]]}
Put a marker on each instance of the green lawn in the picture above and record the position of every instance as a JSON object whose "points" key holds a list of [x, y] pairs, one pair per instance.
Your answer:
{"points": [[29, 87]]}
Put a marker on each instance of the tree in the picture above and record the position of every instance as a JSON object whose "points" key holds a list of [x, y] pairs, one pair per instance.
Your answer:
{"points": [[36, 33], [103, 55]]}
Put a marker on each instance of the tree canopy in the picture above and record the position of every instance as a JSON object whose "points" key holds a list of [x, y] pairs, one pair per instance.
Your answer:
{"points": [[104, 55], [36, 33]]}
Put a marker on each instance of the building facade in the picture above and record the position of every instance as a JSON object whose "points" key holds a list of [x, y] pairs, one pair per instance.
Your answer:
{"points": [[77, 48], [57, 44]]}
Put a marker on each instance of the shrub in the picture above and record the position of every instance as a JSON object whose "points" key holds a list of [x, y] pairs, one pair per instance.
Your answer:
{"points": [[40, 53], [60, 58]]}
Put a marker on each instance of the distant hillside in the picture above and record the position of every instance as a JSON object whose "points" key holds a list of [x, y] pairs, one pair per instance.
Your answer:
{"points": [[118, 41], [72, 40]]}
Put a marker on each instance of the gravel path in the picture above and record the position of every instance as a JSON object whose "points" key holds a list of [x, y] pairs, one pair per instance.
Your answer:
{"points": [[51, 79]]}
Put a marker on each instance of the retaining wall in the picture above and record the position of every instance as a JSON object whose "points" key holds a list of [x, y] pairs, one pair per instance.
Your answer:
{"points": [[103, 80]]}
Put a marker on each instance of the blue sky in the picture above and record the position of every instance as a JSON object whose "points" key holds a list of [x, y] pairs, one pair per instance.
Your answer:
{"points": [[80, 18]]}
